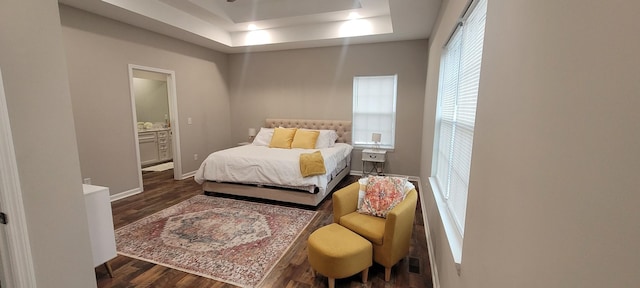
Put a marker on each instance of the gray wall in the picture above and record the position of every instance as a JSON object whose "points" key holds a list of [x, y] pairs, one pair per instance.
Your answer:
{"points": [[317, 83], [553, 198], [306, 83], [98, 54], [37, 91]]}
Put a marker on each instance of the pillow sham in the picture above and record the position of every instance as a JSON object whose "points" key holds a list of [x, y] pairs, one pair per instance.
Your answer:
{"points": [[282, 138], [326, 139], [382, 194], [305, 139], [264, 137]]}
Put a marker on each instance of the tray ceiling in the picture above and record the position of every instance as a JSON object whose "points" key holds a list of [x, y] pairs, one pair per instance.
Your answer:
{"points": [[263, 25]]}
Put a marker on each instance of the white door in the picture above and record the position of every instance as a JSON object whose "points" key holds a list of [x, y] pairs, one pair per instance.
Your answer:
{"points": [[16, 265], [3, 249]]}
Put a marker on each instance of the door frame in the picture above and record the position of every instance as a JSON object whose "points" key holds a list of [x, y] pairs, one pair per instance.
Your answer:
{"points": [[17, 262], [173, 115]]}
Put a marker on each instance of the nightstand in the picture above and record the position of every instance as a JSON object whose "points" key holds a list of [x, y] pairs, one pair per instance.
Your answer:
{"points": [[376, 158]]}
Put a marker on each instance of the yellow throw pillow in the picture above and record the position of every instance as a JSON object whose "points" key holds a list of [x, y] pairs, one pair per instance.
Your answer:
{"points": [[282, 138], [305, 139]]}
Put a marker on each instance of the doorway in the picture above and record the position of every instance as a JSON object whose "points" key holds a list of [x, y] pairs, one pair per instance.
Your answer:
{"points": [[155, 120]]}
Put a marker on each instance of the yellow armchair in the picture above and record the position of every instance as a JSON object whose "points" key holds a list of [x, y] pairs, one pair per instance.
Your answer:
{"points": [[390, 237]]}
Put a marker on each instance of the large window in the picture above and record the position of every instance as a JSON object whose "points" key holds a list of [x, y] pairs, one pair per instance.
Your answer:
{"points": [[374, 110], [455, 119]]}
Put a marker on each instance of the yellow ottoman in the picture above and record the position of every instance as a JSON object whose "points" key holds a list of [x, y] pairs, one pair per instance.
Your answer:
{"points": [[336, 252]]}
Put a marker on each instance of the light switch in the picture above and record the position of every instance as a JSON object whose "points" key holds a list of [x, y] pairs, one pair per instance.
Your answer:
{"points": [[189, 121]]}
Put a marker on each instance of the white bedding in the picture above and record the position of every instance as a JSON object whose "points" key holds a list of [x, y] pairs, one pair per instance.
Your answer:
{"points": [[252, 164]]}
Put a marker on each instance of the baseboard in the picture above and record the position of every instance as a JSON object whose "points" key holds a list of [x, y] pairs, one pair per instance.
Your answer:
{"points": [[188, 175], [125, 194], [434, 269], [139, 190]]}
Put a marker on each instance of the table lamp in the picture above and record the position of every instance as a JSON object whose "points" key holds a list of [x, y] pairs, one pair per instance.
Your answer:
{"points": [[252, 134], [376, 137]]}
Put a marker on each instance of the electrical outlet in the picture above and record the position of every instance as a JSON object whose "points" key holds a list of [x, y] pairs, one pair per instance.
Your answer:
{"points": [[86, 181], [195, 156]]}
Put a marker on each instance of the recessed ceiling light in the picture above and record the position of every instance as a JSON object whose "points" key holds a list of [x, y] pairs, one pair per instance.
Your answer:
{"points": [[355, 27], [252, 27]]}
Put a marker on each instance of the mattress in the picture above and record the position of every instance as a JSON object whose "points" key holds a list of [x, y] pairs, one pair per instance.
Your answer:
{"points": [[261, 165]]}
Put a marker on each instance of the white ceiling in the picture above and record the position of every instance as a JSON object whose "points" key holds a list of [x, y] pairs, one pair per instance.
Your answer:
{"points": [[265, 25]]}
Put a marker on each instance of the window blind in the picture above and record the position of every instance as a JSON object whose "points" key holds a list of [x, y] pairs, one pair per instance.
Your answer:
{"points": [[458, 96], [374, 110]]}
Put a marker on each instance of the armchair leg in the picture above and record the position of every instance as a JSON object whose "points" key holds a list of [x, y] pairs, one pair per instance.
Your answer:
{"points": [[332, 282], [387, 274], [365, 275], [109, 270]]}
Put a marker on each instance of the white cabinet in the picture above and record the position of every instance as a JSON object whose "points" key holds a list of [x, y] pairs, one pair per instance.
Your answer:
{"points": [[164, 145], [148, 142], [155, 146], [103, 240]]}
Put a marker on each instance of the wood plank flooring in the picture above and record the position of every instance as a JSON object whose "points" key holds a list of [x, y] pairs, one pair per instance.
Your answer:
{"points": [[293, 270]]}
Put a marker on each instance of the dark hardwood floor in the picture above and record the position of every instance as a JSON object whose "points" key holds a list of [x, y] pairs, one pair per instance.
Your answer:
{"points": [[293, 270]]}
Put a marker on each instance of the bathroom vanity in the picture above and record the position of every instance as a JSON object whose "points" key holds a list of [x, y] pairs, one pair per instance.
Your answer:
{"points": [[155, 146]]}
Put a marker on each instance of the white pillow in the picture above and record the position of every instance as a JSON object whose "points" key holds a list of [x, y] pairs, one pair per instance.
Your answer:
{"points": [[363, 186], [326, 139], [264, 137]]}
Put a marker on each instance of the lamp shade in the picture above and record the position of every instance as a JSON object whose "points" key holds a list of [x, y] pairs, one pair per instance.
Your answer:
{"points": [[252, 132], [376, 137]]}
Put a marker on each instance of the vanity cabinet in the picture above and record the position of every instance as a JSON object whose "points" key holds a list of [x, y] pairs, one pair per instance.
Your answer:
{"points": [[148, 142], [164, 145], [155, 146]]}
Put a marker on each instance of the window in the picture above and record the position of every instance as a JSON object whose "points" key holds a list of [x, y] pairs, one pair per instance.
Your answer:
{"points": [[455, 119], [374, 110]]}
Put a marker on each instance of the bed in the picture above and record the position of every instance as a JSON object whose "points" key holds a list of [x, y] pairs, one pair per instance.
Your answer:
{"points": [[257, 171]]}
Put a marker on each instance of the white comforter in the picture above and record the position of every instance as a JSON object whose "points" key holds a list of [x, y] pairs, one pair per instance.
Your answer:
{"points": [[251, 164]]}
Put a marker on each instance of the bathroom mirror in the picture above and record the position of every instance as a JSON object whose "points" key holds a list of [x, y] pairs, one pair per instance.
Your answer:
{"points": [[152, 99]]}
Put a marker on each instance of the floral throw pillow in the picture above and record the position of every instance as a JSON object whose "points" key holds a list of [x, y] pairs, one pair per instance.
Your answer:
{"points": [[381, 195]]}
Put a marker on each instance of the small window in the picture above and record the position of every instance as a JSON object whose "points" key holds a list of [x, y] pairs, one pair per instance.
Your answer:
{"points": [[374, 111]]}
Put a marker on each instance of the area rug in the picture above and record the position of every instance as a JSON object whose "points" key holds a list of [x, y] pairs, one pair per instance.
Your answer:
{"points": [[159, 167], [232, 241]]}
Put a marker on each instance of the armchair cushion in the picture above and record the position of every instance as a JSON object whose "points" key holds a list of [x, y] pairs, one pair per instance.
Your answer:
{"points": [[369, 227]]}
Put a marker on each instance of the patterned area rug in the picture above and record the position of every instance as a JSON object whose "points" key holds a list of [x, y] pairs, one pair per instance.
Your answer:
{"points": [[232, 241]]}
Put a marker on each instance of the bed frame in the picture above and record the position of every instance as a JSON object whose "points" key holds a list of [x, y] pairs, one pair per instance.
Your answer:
{"points": [[343, 128]]}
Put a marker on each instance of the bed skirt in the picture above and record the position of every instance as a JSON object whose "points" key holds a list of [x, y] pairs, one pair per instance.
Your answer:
{"points": [[274, 193]]}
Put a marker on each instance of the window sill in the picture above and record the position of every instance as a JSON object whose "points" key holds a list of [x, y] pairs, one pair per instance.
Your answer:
{"points": [[451, 231]]}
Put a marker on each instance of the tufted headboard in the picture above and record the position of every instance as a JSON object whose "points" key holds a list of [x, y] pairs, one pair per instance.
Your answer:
{"points": [[342, 127]]}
